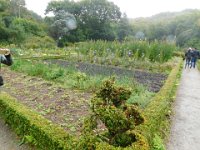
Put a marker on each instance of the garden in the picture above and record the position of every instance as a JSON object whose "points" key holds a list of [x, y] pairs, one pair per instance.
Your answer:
{"points": [[92, 95]]}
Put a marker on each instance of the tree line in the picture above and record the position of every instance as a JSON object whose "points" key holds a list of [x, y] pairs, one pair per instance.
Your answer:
{"points": [[95, 20], [16, 22], [183, 27]]}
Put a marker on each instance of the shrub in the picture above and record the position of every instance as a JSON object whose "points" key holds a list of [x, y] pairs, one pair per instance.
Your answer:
{"points": [[119, 119]]}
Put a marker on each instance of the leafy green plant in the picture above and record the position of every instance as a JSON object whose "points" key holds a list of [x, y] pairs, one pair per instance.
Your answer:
{"points": [[55, 74], [158, 143], [80, 77]]}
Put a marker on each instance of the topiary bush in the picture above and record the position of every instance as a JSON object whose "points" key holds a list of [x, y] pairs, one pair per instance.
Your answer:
{"points": [[112, 121]]}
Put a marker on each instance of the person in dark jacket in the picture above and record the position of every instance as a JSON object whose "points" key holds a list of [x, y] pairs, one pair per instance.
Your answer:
{"points": [[5, 58], [188, 57], [195, 56]]}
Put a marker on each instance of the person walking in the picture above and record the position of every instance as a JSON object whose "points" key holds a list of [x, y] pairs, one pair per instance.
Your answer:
{"points": [[188, 57], [195, 55]]}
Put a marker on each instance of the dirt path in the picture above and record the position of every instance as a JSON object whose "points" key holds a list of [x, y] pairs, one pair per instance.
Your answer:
{"points": [[8, 140], [185, 131]]}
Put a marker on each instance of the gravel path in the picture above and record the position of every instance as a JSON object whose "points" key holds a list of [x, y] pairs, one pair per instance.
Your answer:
{"points": [[8, 140], [185, 131]]}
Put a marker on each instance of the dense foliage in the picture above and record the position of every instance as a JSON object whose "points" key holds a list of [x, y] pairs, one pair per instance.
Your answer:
{"points": [[18, 25], [181, 28], [95, 20]]}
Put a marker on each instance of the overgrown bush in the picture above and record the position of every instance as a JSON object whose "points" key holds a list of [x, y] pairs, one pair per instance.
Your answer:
{"points": [[112, 121]]}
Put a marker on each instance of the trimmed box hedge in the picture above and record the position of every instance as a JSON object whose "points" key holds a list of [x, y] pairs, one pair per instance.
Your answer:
{"points": [[158, 112], [44, 134]]}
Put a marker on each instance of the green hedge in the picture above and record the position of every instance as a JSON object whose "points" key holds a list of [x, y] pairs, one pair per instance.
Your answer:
{"points": [[30, 125], [42, 132], [158, 112]]}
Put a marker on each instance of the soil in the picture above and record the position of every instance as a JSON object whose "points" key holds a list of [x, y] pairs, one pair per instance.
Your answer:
{"points": [[62, 106], [185, 130], [154, 81]]}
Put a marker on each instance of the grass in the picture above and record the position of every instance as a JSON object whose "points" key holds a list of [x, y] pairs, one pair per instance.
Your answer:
{"points": [[141, 97]]}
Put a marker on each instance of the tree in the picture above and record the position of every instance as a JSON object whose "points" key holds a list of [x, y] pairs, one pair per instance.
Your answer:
{"points": [[17, 23], [63, 23], [184, 37], [3, 5], [17, 6], [124, 29], [4, 32], [66, 5], [95, 18]]}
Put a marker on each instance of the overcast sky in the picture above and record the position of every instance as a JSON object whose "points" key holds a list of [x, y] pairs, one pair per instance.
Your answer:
{"points": [[133, 8]]}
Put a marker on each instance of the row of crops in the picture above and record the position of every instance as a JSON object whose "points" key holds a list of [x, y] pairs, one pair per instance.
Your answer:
{"points": [[143, 55], [138, 50]]}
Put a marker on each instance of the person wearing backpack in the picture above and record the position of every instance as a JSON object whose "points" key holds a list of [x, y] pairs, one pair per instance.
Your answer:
{"points": [[5, 58]]}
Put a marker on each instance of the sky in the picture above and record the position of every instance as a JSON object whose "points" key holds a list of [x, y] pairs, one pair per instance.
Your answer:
{"points": [[133, 8]]}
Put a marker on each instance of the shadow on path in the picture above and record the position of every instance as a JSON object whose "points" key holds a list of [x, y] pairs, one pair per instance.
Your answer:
{"points": [[185, 130]]}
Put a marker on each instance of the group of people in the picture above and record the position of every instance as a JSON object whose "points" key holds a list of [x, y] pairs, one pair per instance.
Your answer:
{"points": [[191, 57]]}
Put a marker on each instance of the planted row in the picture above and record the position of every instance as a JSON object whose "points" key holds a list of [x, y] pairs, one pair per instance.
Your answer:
{"points": [[139, 50]]}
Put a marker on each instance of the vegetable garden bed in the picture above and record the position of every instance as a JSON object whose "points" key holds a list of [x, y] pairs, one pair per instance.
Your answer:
{"points": [[50, 105]]}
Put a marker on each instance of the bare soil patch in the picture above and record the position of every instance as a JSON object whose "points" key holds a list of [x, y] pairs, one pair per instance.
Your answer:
{"points": [[154, 81], [62, 106]]}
